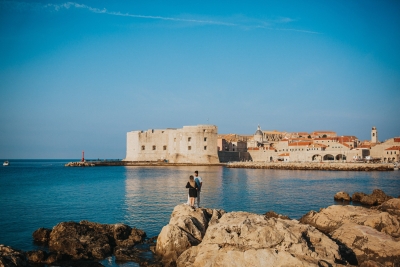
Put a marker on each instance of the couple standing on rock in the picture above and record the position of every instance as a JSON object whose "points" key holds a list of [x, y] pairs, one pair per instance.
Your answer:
{"points": [[194, 186]]}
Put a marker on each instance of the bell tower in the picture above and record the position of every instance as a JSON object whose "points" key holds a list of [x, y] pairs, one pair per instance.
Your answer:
{"points": [[374, 135]]}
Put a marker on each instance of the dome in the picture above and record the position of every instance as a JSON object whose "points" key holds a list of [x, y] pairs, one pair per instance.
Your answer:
{"points": [[258, 132], [374, 128]]}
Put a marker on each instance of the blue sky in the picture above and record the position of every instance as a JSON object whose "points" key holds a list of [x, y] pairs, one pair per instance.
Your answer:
{"points": [[78, 75]]}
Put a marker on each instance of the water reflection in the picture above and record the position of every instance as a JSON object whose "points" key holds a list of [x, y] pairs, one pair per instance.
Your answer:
{"points": [[152, 193]]}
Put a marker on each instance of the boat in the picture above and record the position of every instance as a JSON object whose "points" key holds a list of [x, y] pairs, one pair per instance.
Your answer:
{"points": [[6, 163], [396, 167]]}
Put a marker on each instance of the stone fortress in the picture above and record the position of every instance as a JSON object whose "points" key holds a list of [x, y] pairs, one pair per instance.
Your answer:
{"points": [[190, 144], [201, 144]]}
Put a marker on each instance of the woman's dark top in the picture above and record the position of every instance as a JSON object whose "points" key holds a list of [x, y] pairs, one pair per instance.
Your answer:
{"points": [[192, 190]]}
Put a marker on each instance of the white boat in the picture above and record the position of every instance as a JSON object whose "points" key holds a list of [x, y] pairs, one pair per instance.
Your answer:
{"points": [[6, 163]]}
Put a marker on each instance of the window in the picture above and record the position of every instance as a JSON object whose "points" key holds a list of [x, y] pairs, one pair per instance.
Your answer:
{"points": [[154, 147], [189, 148], [143, 147], [205, 139], [205, 147], [189, 138], [164, 147], [174, 139]]}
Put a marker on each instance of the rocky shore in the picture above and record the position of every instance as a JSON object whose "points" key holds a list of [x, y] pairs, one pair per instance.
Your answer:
{"points": [[313, 166], [339, 235], [83, 244]]}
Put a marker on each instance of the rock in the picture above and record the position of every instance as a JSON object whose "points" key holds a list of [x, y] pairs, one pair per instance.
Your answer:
{"points": [[342, 196], [369, 244], [356, 197], [392, 206], [37, 257], [272, 214], [380, 196], [186, 229], [91, 241], [41, 235], [80, 241], [368, 200], [376, 198], [370, 263], [10, 257], [245, 239], [172, 241], [333, 217], [368, 233]]}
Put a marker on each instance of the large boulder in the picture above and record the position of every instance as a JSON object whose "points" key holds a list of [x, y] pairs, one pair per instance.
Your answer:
{"points": [[10, 257], [246, 239], [333, 217], [186, 229], [369, 234], [369, 244]]}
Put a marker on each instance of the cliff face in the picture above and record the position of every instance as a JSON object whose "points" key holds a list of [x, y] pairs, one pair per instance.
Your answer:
{"points": [[335, 236]]}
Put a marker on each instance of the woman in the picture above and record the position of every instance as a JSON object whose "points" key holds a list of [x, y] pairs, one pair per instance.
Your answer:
{"points": [[192, 190]]}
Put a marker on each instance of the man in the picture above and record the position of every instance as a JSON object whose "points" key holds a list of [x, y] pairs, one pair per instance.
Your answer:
{"points": [[199, 183]]}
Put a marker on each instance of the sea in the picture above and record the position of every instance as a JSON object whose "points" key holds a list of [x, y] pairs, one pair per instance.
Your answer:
{"points": [[42, 193]]}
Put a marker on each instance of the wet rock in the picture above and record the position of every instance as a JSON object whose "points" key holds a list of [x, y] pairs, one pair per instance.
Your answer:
{"points": [[245, 239], [90, 241], [376, 198], [38, 256], [10, 257], [80, 241], [41, 235], [380, 196], [342, 196], [356, 197]]}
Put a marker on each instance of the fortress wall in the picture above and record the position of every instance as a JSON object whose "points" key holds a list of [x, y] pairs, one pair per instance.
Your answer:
{"points": [[190, 144]]}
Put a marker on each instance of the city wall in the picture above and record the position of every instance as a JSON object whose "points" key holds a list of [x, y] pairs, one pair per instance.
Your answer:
{"points": [[312, 166]]}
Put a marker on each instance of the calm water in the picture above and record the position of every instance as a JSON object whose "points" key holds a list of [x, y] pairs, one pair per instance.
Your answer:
{"points": [[42, 193]]}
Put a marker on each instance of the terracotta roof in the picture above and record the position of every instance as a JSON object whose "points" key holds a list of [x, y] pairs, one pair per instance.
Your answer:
{"points": [[393, 148], [284, 155], [397, 139]]}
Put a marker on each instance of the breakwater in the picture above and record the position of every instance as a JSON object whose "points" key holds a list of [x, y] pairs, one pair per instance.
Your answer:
{"points": [[132, 163], [313, 166]]}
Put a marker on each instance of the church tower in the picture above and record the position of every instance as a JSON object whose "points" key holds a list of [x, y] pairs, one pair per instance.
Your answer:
{"points": [[374, 135], [258, 136]]}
